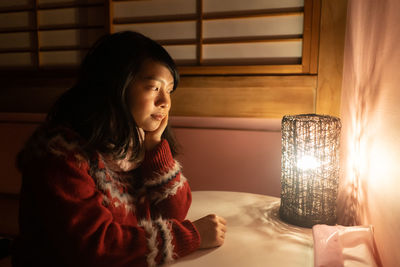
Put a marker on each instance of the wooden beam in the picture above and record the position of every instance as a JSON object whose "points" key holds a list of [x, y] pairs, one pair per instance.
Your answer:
{"points": [[36, 36], [331, 49], [314, 43], [109, 16], [199, 32], [248, 69], [307, 27]]}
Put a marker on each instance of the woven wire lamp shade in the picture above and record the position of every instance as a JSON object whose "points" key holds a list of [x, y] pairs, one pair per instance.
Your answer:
{"points": [[310, 169]]}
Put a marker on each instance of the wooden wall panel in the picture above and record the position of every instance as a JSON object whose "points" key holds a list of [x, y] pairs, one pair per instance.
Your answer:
{"points": [[33, 92], [30, 99], [248, 96], [15, 129], [9, 216], [13, 136]]}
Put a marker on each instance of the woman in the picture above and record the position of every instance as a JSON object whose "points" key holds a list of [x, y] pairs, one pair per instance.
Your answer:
{"points": [[100, 185]]}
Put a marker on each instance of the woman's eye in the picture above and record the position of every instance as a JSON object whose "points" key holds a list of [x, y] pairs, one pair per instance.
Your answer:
{"points": [[153, 88]]}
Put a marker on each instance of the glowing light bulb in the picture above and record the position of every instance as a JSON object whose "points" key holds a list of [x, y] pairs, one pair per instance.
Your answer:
{"points": [[308, 163]]}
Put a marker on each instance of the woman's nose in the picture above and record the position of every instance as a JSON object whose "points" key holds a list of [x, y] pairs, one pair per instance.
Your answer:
{"points": [[164, 99]]}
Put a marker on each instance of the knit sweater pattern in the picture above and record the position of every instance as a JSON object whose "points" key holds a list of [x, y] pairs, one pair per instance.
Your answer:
{"points": [[76, 211]]}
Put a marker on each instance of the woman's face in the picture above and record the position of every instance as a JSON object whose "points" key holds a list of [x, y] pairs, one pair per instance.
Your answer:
{"points": [[149, 95]]}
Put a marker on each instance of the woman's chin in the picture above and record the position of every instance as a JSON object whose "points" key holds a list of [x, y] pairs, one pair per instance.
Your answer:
{"points": [[151, 127]]}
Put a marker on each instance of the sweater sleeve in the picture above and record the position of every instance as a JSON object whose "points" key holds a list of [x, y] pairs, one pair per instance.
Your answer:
{"points": [[83, 230], [167, 189]]}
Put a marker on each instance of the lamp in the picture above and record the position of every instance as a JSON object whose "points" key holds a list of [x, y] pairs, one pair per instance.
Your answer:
{"points": [[310, 169]]}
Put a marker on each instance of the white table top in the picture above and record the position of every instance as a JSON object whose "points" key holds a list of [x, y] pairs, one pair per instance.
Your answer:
{"points": [[255, 237]]}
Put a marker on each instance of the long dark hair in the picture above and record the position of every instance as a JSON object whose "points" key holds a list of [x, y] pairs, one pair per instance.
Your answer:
{"points": [[97, 107]]}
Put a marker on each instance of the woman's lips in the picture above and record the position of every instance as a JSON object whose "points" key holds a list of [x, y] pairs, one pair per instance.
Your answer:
{"points": [[158, 117]]}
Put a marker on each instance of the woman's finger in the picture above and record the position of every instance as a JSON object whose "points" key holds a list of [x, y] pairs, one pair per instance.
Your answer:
{"points": [[221, 220]]}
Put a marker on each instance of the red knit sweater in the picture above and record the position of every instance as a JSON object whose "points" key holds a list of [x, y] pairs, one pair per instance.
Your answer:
{"points": [[75, 211]]}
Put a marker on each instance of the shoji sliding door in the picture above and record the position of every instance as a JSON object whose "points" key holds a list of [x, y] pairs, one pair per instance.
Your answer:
{"points": [[227, 36]]}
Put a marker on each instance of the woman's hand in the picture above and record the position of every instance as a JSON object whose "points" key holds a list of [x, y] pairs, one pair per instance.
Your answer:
{"points": [[152, 139], [212, 229]]}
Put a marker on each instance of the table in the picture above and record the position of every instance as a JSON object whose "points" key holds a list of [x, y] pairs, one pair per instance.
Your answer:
{"points": [[255, 237]]}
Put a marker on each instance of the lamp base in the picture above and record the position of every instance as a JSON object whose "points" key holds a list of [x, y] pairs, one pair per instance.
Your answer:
{"points": [[304, 221]]}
